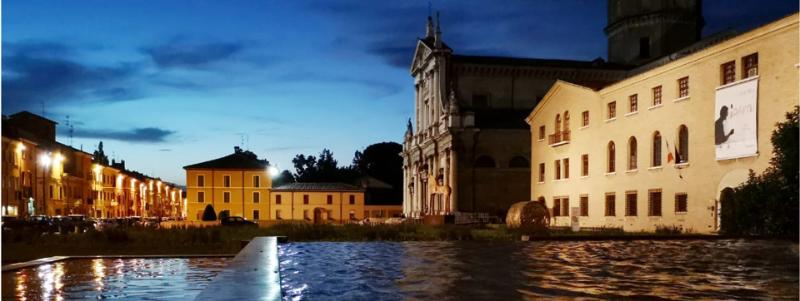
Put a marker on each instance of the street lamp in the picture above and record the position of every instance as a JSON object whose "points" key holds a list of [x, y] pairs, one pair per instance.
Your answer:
{"points": [[273, 171]]}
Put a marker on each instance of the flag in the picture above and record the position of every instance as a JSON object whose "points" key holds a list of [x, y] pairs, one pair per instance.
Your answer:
{"points": [[670, 156], [677, 155]]}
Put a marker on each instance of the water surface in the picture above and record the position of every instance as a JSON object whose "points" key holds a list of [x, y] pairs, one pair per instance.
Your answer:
{"points": [[679, 270], [118, 279]]}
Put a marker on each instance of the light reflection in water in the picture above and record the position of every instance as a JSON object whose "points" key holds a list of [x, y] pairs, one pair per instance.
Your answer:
{"points": [[122, 279]]}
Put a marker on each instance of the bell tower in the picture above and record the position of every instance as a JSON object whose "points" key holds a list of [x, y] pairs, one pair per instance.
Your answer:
{"points": [[640, 31]]}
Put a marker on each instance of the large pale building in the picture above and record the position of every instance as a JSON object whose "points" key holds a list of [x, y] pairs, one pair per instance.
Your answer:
{"points": [[659, 147], [468, 148], [318, 203]]}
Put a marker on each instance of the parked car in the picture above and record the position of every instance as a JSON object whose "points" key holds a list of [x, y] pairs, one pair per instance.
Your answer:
{"points": [[80, 221], [11, 223], [236, 221]]}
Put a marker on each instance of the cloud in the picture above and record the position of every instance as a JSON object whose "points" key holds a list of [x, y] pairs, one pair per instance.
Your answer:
{"points": [[180, 52], [147, 135], [39, 71], [165, 149], [380, 88]]}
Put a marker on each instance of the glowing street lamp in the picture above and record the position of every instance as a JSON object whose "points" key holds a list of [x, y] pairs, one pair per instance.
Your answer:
{"points": [[273, 171]]}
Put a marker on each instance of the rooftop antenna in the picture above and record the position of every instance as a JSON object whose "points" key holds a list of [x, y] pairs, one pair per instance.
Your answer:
{"points": [[43, 108], [71, 131]]}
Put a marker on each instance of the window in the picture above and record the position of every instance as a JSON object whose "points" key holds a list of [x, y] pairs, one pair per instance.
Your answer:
{"points": [[632, 161], [634, 103], [201, 181], [585, 165], [656, 96], [611, 158], [644, 47], [611, 200], [683, 145], [750, 65], [728, 72], [226, 181], [201, 197], [566, 122], [519, 162], [654, 202], [584, 205], [557, 168], [541, 172], [566, 168], [558, 123], [256, 215], [630, 203], [656, 160], [564, 206], [305, 199], [541, 132], [585, 118], [278, 214], [612, 110], [278, 199], [556, 207], [226, 196], [680, 202], [484, 162], [256, 197], [330, 199], [683, 87], [352, 199], [256, 181], [305, 215]]}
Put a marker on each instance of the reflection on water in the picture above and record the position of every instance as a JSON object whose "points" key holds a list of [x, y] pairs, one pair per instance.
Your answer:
{"points": [[686, 270], [123, 279]]}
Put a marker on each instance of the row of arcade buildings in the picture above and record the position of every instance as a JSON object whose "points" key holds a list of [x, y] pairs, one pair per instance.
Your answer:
{"points": [[41, 176]]}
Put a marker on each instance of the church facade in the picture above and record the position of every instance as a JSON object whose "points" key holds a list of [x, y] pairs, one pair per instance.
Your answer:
{"points": [[467, 151]]}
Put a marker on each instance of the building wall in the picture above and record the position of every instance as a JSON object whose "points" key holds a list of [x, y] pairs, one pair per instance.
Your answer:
{"points": [[703, 177], [292, 207], [241, 189], [382, 211]]}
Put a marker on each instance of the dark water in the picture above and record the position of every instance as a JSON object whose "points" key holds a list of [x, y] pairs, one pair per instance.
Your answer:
{"points": [[680, 270], [119, 279]]}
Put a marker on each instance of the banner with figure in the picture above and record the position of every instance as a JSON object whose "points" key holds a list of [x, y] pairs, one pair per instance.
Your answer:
{"points": [[735, 125]]}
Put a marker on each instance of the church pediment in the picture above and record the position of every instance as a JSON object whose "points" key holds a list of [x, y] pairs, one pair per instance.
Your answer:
{"points": [[421, 54]]}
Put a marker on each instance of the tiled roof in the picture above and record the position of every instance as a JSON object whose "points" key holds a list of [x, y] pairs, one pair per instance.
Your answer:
{"points": [[317, 187], [537, 62], [237, 160]]}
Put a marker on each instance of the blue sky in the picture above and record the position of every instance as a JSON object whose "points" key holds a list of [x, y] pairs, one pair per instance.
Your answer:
{"points": [[169, 83]]}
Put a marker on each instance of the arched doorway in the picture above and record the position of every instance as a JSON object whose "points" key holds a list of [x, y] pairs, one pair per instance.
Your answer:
{"points": [[320, 216], [725, 203], [731, 179]]}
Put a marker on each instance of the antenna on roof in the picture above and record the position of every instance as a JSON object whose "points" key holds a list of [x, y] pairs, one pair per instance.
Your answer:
{"points": [[71, 131], [43, 108]]}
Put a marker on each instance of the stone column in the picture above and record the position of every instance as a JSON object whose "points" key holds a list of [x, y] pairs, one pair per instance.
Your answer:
{"points": [[453, 177]]}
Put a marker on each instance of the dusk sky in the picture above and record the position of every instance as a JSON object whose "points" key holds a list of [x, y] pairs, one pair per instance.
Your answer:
{"points": [[170, 83]]}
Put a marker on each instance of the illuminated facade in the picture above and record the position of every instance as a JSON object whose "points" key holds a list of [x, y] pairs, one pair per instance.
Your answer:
{"points": [[660, 147], [318, 203], [44, 177]]}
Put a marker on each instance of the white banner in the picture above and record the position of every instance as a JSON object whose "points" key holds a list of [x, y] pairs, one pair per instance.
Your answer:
{"points": [[735, 120]]}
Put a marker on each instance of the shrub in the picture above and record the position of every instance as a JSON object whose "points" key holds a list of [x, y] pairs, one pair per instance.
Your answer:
{"points": [[209, 214]]}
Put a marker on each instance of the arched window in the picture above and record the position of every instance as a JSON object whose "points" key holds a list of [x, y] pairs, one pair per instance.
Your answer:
{"points": [[484, 162], [558, 122], [656, 161], [566, 121], [519, 162], [683, 144], [632, 151], [611, 157]]}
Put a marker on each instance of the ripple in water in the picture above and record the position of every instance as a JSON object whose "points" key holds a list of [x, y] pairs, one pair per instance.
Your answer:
{"points": [[679, 270], [119, 279]]}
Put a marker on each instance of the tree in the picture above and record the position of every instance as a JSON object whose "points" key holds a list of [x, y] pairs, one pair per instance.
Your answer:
{"points": [[383, 162], [305, 168], [767, 204], [99, 156], [209, 214], [285, 177]]}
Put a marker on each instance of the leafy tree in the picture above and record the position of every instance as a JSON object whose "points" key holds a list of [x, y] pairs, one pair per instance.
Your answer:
{"points": [[209, 214], [382, 161], [305, 168], [767, 204], [99, 156], [285, 177]]}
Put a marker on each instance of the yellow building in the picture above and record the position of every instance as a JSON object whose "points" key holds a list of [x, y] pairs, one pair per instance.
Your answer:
{"points": [[237, 185], [317, 202], [657, 148]]}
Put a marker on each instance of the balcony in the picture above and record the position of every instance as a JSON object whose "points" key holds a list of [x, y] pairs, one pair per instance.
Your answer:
{"points": [[559, 138]]}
